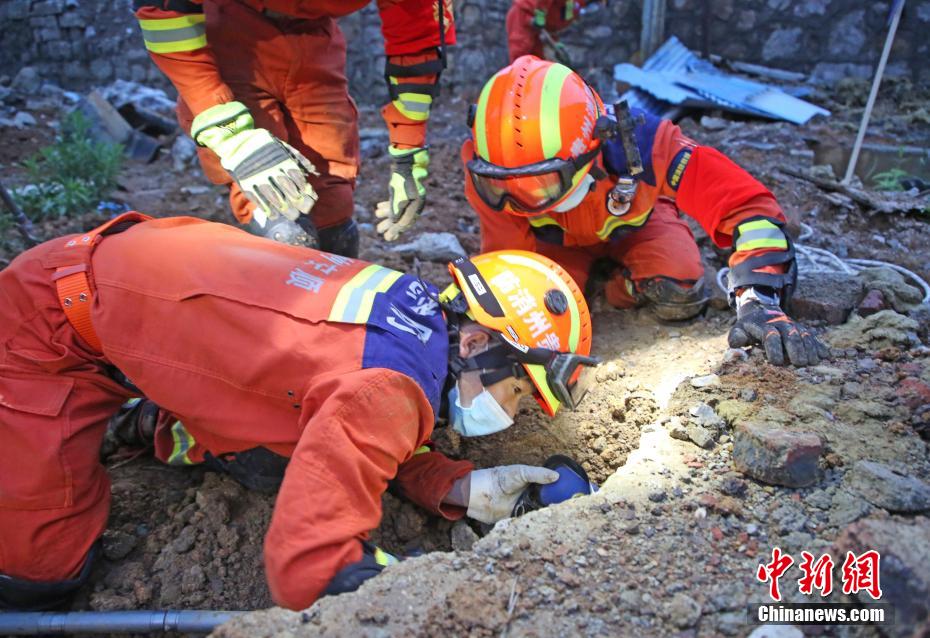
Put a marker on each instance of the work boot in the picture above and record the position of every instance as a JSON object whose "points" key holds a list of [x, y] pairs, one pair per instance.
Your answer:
{"points": [[672, 301], [296, 233], [341, 239], [132, 427]]}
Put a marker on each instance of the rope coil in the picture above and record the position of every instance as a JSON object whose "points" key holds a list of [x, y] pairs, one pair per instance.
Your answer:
{"points": [[814, 260]]}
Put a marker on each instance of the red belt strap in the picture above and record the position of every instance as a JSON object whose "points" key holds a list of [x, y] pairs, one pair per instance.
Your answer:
{"points": [[74, 291]]}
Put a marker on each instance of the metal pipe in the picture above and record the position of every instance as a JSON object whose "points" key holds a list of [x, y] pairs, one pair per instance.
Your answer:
{"points": [[112, 622], [867, 114]]}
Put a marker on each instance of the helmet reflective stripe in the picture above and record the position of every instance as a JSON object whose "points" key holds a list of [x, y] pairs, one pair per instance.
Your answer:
{"points": [[575, 331], [538, 374], [550, 129], [481, 123]]}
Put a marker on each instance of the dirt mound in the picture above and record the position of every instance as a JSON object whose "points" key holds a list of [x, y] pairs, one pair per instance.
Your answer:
{"points": [[181, 539]]}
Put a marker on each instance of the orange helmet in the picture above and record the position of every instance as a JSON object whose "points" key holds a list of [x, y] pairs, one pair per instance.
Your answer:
{"points": [[540, 315], [534, 136]]}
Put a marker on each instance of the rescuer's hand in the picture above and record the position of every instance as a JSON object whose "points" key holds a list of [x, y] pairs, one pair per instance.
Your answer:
{"points": [[761, 321], [539, 18], [270, 172], [409, 169], [493, 492], [560, 54]]}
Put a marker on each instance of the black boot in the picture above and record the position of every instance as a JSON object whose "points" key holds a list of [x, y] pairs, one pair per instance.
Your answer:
{"points": [[132, 427], [299, 233], [341, 239]]}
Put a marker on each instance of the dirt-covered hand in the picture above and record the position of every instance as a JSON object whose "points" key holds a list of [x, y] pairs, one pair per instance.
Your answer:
{"points": [[783, 339], [409, 169], [493, 492]]}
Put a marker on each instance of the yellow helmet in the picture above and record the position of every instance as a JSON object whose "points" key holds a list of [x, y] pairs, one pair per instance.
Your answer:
{"points": [[539, 313]]}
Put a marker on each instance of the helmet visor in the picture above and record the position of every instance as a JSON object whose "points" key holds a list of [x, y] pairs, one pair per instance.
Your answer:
{"points": [[528, 193], [570, 377], [529, 189], [559, 377]]}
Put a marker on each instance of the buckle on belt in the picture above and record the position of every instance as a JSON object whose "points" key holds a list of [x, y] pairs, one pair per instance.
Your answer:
{"points": [[74, 295], [72, 284]]}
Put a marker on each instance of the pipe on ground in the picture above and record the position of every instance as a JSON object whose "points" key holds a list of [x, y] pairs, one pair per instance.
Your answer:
{"points": [[112, 622]]}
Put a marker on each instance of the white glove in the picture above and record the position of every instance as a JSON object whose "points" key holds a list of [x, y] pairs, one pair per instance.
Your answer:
{"points": [[494, 492]]}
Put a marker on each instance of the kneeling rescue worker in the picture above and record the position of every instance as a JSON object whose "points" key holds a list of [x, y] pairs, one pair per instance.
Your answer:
{"points": [[338, 365], [548, 169]]}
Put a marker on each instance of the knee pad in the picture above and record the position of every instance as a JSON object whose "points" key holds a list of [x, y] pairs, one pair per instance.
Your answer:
{"points": [[671, 300], [299, 233], [341, 239]]}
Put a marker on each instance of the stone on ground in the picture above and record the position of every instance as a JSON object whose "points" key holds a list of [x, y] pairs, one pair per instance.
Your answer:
{"points": [[701, 436], [884, 487], [874, 301], [776, 456], [26, 81], [706, 381], [826, 297], [463, 537], [884, 329], [893, 287], [683, 611], [904, 547], [441, 247]]}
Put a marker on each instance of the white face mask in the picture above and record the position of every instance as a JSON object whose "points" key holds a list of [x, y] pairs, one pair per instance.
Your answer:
{"points": [[484, 416], [575, 198]]}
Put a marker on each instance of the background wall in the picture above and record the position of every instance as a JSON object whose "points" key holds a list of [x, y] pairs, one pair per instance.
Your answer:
{"points": [[82, 43]]}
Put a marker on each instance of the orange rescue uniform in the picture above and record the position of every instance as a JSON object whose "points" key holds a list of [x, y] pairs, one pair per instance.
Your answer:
{"points": [[285, 60], [523, 37], [333, 362], [650, 239]]}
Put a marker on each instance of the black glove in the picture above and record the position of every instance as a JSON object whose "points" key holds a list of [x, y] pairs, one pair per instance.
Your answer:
{"points": [[761, 321]]}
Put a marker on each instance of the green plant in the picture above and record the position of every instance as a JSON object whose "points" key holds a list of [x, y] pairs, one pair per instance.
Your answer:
{"points": [[889, 180], [72, 175]]}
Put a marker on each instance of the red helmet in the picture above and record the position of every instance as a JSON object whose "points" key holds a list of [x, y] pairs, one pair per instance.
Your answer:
{"points": [[534, 138]]}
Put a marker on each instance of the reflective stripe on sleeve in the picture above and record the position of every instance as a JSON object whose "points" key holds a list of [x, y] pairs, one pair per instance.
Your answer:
{"points": [[183, 442], [355, 300], [760, 234], [414, 106], [383, 558], [171, 35]]}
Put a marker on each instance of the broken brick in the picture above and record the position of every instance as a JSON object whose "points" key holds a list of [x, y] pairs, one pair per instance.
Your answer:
{"points": [[776, 456], [913, 393], [874, 301]]}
